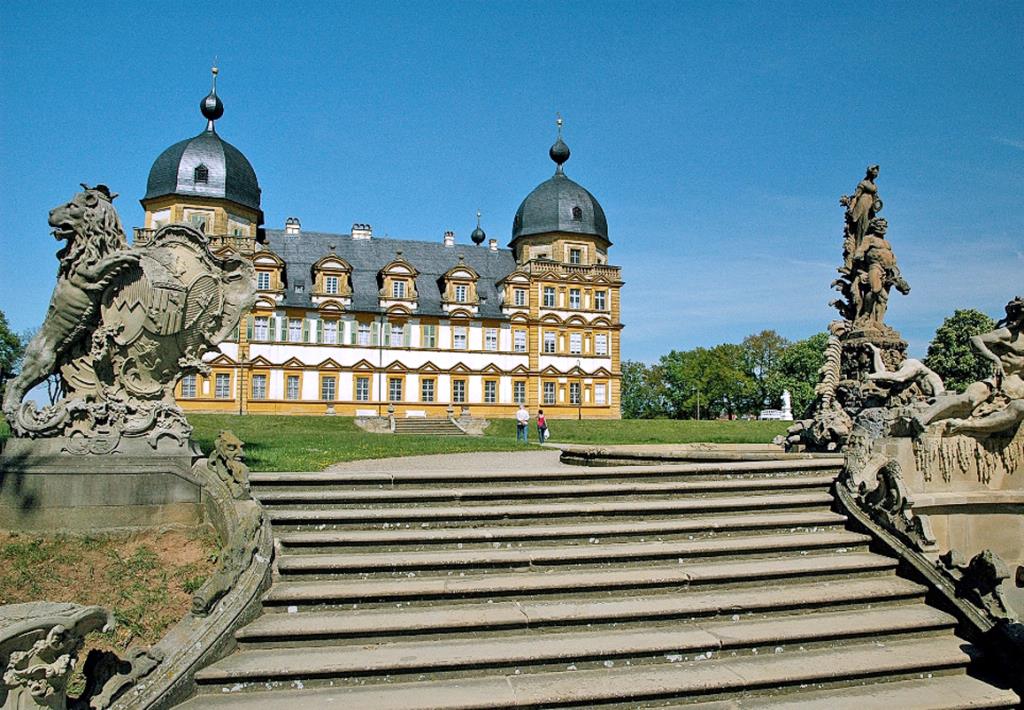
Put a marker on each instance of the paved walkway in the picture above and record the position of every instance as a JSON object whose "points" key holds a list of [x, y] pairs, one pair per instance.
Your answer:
{"points": [[524, 461]]}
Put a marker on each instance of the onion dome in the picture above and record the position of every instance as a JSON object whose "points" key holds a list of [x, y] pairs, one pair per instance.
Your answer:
{"points": [[559, 204], [206, 165], [478, 235]]}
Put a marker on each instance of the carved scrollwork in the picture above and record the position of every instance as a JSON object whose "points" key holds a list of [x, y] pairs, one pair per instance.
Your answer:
{"points": [[889, 504], [979, 581]]}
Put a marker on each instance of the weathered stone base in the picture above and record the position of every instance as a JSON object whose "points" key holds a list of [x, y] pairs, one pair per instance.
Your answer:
{"points": [[42, 488]]}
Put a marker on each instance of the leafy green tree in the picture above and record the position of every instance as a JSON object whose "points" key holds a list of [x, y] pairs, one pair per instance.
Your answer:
{"points": [[760, 356], [643, 395], [706, 382], [797, 371], [950, 353], [11, 350]]}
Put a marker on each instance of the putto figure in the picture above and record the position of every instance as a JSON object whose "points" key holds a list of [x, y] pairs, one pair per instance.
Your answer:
{"points": [[123, 326]]}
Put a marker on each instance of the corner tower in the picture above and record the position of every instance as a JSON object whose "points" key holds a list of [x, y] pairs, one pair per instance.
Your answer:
{"points": [[206, 182]]}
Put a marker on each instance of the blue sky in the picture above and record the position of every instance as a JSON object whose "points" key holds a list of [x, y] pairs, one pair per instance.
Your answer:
{"points": [[718, 136]]}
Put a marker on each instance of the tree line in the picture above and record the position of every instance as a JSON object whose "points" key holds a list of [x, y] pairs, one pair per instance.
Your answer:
{"points": [[739, 380]]}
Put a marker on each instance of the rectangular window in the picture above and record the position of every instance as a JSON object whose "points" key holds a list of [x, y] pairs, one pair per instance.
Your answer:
{"points": [[294, 330], [292, 387], [398, 289], [427, 390], [330, 329], [600, 300], [261, 328], [459, 337], [460, 293], [263, 280], [549, 296], [364, 334], [188, 386], [259, 386], [490, 391], [519, 296], [599, 394], [458, 391], [396, 336], [519, 392], [430, 336], [549, 393], [575, 256], [549, 341], [491, 339], [575, 343], [331, 285], [574, 298], [222, 385], [574, 393], [519, 341], [328, 388], [362, 389], [600, 344], [394, 389]]}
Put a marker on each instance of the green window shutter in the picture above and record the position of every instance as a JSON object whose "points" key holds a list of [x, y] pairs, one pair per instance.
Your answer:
{"points": [[406, 335], [248, 327], [320, 331], [305, 330], [352, 330], [385, 335], [374, 333]]}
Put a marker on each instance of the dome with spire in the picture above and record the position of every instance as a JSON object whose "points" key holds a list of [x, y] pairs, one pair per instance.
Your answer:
{"points": [[559, 204], [205, 165]]}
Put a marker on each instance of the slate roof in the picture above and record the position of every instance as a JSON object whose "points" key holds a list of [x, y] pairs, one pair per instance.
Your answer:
{"points": [[368, 256], [549, 208], [230, 174]]}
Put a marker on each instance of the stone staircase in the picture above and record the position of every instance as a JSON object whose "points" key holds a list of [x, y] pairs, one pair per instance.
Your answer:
{"points": [[717, 586], [427, 426]]}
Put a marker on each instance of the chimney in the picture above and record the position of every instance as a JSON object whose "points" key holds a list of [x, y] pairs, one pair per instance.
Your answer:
{"points": [[292, 225], [449, 239], [362, 231], [493, 245]]}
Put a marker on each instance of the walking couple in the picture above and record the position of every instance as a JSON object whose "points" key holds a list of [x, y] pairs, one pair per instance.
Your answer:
{"points": [[523, 425]]}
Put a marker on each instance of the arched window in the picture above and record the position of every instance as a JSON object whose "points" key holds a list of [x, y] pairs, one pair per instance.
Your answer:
{"points": [[201, 174]]}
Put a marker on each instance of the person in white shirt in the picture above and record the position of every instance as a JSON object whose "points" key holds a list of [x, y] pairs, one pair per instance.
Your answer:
{"points": [[523, 424]]}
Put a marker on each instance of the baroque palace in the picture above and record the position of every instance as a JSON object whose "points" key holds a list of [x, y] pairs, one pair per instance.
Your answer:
{"points": [[354, 323]]}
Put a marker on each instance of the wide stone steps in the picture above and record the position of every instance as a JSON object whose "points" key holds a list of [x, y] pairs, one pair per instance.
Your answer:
{"points": [[504, 615], [564, 555], [679, 577], [584, 688], [427, 427], [622, 587]]}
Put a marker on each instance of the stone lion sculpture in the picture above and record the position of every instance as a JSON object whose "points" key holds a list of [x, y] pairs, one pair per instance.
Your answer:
{"points": [[124, 325], [226, 462]]}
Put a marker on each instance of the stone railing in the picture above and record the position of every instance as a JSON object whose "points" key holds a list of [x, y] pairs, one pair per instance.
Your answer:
{"points": [[539, 266], [240, 243]]}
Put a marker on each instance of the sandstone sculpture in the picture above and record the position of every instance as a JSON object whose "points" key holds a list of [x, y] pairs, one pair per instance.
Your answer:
{"points": [[889, 504], [996, 404], [980, 581], [861, 208], [226, 462], [123, 326], [39, 643]]}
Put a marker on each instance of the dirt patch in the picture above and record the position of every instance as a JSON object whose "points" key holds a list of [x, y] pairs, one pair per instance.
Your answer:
{"points": [[146, 579]]}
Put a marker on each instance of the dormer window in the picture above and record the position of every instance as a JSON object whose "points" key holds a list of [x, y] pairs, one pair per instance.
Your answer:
{"points": [[263, 280], [460, 293], [398, 289], [577, 213], [331, 285], [201, 174]]}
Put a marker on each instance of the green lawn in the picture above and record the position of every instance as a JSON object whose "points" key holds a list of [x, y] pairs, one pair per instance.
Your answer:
{"points": [[312, 443]]}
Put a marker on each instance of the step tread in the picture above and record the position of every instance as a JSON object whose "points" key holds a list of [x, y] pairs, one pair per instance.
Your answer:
{"points": [[527, 612], [305, 661], [727, 468], [527, 581], [618, 683], [463, 512], [511, 532], [567, 553], [941, 692], [548, 490]]}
